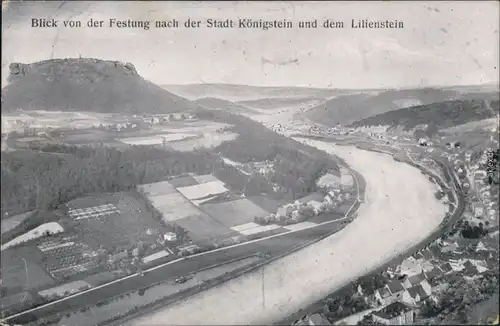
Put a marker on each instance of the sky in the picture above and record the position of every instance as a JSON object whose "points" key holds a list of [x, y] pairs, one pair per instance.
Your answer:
{"points": [[442, 43]]}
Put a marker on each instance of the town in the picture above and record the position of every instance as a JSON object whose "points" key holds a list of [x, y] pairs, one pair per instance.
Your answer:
{"points": [[460, 267]]}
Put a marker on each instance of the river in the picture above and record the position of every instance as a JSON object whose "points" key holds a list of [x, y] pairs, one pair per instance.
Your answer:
{"points": [[399, 211]]}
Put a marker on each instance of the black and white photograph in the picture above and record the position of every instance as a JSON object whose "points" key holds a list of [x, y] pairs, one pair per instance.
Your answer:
{"points": [[249, 163]]}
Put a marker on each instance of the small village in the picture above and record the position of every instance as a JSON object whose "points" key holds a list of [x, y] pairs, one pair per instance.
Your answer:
{"points": [[440, 282]]}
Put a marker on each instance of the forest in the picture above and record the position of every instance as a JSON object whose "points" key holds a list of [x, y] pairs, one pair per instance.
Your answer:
{"points": [[437, 115]]}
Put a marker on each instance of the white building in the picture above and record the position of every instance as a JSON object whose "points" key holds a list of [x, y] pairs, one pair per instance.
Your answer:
{"points": [[170, 236]]}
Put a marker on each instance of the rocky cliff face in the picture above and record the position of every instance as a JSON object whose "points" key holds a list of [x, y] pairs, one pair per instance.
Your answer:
{"points": [[86, 85], [81, 70]]}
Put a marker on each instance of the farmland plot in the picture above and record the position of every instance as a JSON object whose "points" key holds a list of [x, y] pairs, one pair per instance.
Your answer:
{"points": [[196, 127], [12, 222], [203, 228], [156, 139], [203, 190], [119, 219], [206, 140], [23, 274], [235, 212], [157, 188], [15, 299], [174, 206]]}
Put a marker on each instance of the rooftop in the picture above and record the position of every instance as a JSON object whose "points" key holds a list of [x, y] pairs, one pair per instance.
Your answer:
{"points": [[318, 319], [418, 289], [435, 272], [427, 254], [395, 286], [384, 292], [416, 279], [446, 267]]}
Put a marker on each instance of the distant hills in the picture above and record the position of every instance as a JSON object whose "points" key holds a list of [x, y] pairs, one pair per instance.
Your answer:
{"points": [[436, 116], [282, 102], [235, 93], [213, 103], [86, 85], [347, 109]]}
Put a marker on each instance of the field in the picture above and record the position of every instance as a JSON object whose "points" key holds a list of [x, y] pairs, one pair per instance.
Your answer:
{"points": [[55, 119], [194, 203], [183, 135], [204, 141], [12, 222], [203, 190], [113, 220], [485, 124], [63, 257], [7, 302], [156, 139], [21, 270], [267, 203], [184, 201], [235, 212], [173, 207], [40, 231], [88, 128]]}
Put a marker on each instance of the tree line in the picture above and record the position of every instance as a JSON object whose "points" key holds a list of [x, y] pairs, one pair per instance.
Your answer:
{"points": [[48, 175]]}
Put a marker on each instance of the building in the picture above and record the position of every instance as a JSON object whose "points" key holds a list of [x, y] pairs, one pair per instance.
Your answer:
{"points": [[417, 295], [383, 295], [396, 313], [285, 210], [410, 267], [433, 276], [316, 319], [397, 289], [478, 209], [414, 280], [170, 236]]}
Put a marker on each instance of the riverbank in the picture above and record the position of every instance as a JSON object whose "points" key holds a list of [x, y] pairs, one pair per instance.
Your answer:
{"points": [[443, 227]]}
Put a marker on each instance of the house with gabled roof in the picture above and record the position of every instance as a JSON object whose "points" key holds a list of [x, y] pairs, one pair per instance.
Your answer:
{"points": [[395, 286], [317, 319], [418, 294], [409, 266], [383, 295], [418, 255], [449, 246], [427, 254], [433, 276], [446, 268], [414, 280], [469, 269]]}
